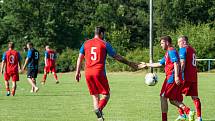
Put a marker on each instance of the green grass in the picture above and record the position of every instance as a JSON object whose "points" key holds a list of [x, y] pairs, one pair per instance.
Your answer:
{"points": [[131, 100]]}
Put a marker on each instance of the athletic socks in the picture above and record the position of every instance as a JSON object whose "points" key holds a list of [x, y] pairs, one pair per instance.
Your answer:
{"points": [[102, 104], [164, 116], [197, 104]]}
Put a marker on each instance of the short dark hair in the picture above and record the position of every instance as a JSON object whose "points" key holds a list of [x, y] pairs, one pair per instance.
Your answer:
{"points": [[166, 38], [11, 45], [185, 38], [30, 43], [99, 30]]}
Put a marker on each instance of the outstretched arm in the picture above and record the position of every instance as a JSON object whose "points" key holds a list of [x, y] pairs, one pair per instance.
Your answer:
{"points": [[125, 61], [78, 67], [2, 66]]}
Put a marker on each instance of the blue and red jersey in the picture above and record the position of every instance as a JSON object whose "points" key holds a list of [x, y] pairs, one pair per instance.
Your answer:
{"points": [[11, 58], [50, 56], [171, 56], [95, 52], [190, 71]]}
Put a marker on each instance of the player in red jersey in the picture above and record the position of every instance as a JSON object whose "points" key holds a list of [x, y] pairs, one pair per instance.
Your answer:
{"points": [[95, 51], [11, 60], [50, 64], [171, 88], [189, 71]]}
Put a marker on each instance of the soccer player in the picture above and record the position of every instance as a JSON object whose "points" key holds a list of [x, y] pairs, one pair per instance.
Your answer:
{"points": [[32, 62], [171, 88], [95, 51], [50, 66], [12, 60], [189, 71]]}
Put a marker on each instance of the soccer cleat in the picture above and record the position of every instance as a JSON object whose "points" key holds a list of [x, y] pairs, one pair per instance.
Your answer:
{"points": [[198, 119], [57, 82], [191, 116], [8, 93], [36, 89], [181, 118], [99, 115], [42, 83]]}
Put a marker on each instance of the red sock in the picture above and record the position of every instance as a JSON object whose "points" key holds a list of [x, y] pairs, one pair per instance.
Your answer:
{"points": [[102, 103], [186, 109], [13, 92], [44, 77], [55, 76], [197, 104], [180, 110], [164, 116], [8, 89]]}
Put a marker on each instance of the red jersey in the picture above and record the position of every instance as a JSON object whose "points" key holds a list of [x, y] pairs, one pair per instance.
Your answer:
{"points": [[95, 51], [171, 56], [50, 56], [11, 58], [188, 54]]}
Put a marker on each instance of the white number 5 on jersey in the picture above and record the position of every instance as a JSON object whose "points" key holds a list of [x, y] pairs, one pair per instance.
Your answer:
{"points": [[93, 56]]}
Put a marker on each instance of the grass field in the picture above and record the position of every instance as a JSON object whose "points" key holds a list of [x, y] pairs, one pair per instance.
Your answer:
{"points": [[131, 100]]}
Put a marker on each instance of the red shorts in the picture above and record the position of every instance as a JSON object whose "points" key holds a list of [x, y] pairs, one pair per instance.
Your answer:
{"points": [[48, 69], [15, 76], [190, 88], [97, 84], [171, 91]]}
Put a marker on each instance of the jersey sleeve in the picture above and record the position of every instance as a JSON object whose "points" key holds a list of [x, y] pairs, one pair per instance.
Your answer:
{"points": [[4, 57], [29, 54], [46, 54], [162, 62], [19, 57], [182, 53], [111, 52], [82, 49], [173, 56]]}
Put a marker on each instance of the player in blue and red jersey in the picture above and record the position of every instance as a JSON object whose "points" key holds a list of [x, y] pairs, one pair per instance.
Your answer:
{"points": [[94, 51], [189, 71], [50, 64], [12, 60], [171, 88], [32, 63]]}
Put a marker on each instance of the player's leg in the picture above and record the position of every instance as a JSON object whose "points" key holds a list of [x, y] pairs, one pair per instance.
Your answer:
{"points": [[13, 92], [103, 101], [179, 104], [56, 78], [15, 78], [44, 76], [197, 104], [7, 87], [53, 69], [97, 111], [36, 89], [164, 107]]}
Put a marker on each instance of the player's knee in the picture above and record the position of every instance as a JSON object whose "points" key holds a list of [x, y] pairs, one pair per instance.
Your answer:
{"points": [[195, 98], [106, 96]]}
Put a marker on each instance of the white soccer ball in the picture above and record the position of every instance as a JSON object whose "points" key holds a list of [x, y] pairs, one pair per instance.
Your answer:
{"points": [[151, 79]]}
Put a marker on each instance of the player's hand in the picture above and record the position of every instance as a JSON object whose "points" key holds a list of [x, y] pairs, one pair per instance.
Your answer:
{"points": [[177, 81], [142, 65], [78, 76]]}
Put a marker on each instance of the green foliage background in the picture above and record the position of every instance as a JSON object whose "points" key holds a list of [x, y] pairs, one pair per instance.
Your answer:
{"points": [[65, 24]]}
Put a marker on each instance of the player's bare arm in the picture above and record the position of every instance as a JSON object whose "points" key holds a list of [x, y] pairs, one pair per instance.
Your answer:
{"points": [[176, 70], [20, 66], [154, 65], [123, 60], [2, 66], [78, 67], [182, 61], [24, 66]]}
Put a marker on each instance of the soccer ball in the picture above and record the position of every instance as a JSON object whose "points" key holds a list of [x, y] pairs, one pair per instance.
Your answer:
{"points": [[151, 79]]}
